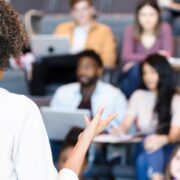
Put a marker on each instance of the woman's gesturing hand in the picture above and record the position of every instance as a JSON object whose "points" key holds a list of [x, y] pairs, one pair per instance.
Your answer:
{"points": [[97, 125], [94, 127]]}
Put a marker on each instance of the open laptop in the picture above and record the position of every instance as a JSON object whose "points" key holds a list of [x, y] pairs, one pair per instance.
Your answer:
{"points": [[59, 122], [49, 45]]}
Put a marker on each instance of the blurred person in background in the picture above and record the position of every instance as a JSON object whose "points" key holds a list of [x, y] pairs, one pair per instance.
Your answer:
{"points": [[85, 33], [67, 148], [173, 169], [171, 14], [25, 61], [155, 112], [148, 35], [90, 92]]}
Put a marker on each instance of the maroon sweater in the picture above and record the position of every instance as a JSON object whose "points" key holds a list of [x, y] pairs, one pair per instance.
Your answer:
{"points": [[133, 50]]}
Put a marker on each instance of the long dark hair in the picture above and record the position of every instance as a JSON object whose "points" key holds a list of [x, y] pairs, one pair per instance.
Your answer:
{"points": [[138, 29], [165, 88]]}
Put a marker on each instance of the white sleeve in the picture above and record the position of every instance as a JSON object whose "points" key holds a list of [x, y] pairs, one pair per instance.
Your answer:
{"points": [[132, 109], [164, 3], [119, 106], [67, 174], [175, 111], [55, 99], [32, 156], [59, 99]]}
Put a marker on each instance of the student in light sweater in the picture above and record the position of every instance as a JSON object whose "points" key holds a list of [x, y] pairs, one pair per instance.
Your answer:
{"points": [[154, 110]]}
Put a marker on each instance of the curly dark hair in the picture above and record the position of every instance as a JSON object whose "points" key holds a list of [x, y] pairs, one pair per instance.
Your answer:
{"points": [[12, 34]]}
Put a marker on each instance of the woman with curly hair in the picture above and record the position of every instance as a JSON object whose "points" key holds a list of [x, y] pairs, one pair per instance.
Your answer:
{"points": [[25, 152]]}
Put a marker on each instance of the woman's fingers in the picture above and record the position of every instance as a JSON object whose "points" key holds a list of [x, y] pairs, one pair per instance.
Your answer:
{"points": [[97, 125], [109, 118], [98, 115], [96, 118], [116, 131], [87, 120], [99, 112], [103, 124]]}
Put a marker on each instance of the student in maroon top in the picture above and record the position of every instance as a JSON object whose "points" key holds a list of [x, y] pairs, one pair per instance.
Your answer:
{"points": [[146, 36]]}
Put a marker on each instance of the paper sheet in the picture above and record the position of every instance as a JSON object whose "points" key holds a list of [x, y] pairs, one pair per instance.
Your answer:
{"points": [[115, 139]]}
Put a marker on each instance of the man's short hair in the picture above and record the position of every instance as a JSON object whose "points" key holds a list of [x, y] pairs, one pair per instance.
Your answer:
{"points": [[93, 55], [74, 2]]}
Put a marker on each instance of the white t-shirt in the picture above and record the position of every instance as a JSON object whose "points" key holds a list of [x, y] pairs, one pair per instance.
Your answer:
{"points": [[79, 39], [164, 3], [24, 147], [141, 107]]}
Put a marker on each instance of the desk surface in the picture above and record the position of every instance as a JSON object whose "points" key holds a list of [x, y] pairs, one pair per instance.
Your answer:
{"points": [[175, 63], [115, 139]]}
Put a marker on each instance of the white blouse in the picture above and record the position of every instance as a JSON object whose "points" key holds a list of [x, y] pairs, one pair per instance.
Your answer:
{"points": [[141, 107], [24, 147]]}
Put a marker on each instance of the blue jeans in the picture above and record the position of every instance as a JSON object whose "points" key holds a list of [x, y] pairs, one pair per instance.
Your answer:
{"points": [[130, 81], [148, 163]]}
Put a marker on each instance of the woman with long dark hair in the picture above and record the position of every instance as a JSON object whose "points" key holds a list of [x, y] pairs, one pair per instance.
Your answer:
{"points": [[155, 111], [146, 36]]}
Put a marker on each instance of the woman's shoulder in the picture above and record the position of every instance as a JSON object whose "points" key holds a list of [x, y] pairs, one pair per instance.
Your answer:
{"points": [[140, 94], [129, 32], [16, 100], [130, 28], [176, 99], [165, 27]]}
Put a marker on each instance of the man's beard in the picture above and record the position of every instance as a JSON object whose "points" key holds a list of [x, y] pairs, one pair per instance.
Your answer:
{"points": [[90, 82]]}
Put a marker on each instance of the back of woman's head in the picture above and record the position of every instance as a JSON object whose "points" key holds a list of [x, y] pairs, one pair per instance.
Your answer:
{"points": [[165, 90], [138, 26], [12, 34]]}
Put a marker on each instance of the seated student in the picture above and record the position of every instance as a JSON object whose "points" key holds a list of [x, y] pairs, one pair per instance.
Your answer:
{"points": [[147, 36], [67, 148], [171, 14], [90, 92], [85, 33], [25, 61], [155, 112], [173, 170], [25, 152]]}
